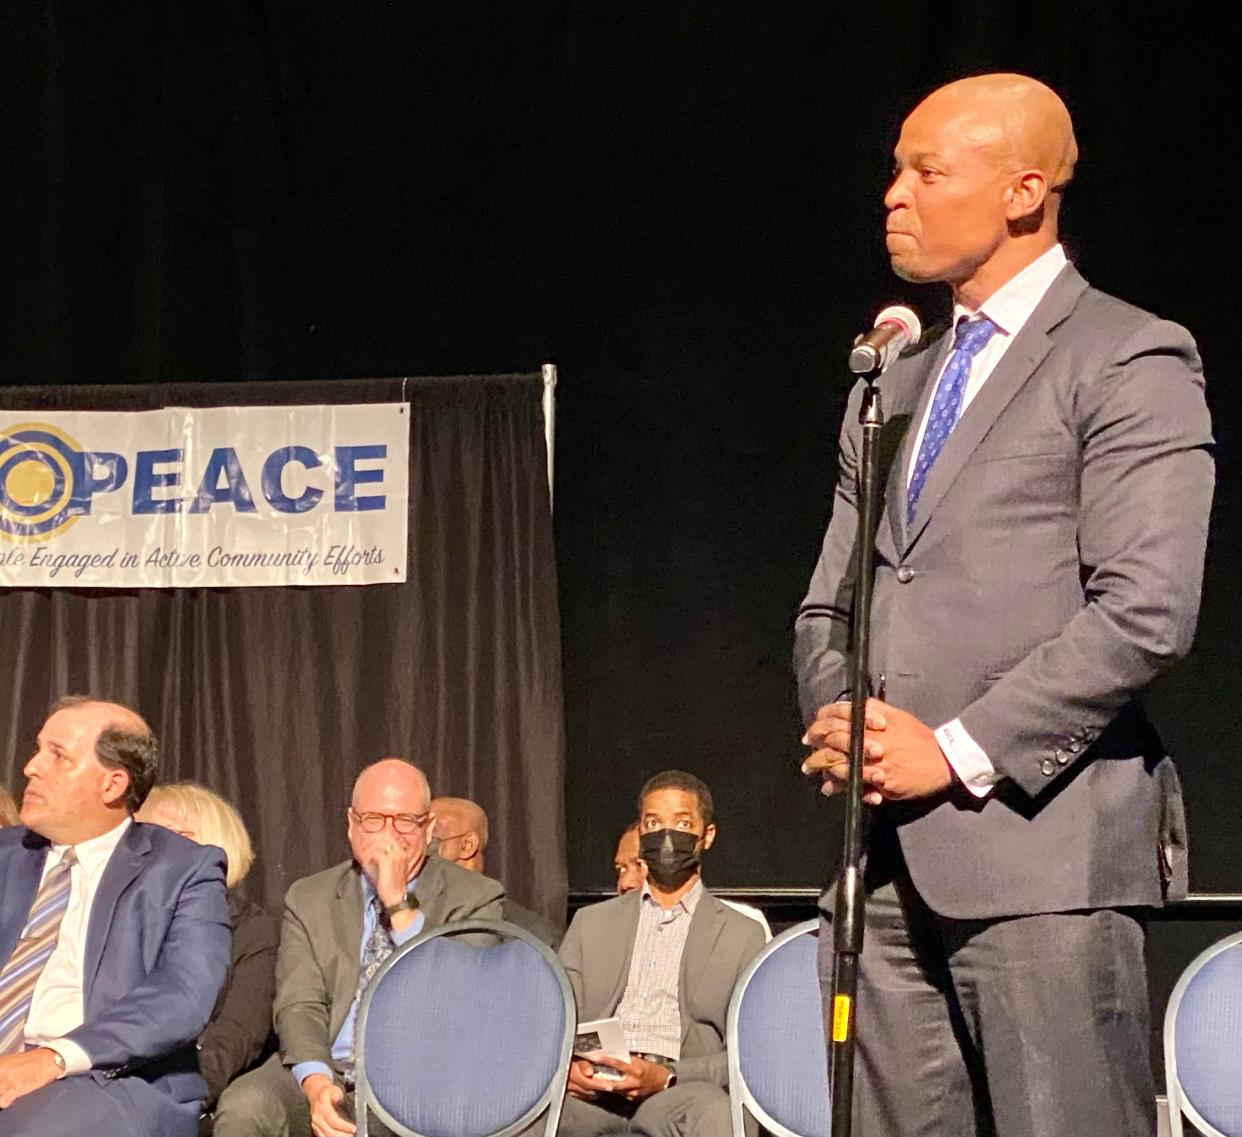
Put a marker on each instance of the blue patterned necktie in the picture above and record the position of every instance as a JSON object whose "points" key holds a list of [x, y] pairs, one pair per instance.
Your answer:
{"points": [[375, 951], [946, 409]]}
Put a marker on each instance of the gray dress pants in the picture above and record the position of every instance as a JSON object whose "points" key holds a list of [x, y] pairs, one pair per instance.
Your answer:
{"points": [[1029, 1026], [691, 1109], [267, 1102]]}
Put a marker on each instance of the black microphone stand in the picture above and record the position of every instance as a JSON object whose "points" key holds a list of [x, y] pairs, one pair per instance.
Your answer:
{"points": [[847, 925]]}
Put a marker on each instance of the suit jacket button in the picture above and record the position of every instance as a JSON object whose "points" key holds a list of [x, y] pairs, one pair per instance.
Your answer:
{"points": [[1061, 757], [905, 574], [1047, 768], [1074, 746]]}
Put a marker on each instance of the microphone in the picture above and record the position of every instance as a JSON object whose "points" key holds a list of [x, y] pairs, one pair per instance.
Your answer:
{"points": [[895, 328]]}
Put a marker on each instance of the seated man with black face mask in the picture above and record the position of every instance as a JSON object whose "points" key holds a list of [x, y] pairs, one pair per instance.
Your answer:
{"points": [[663, 959]]}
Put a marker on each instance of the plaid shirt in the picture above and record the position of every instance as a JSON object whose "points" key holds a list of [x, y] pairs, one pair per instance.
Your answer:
{"points": [[650, 1011]]}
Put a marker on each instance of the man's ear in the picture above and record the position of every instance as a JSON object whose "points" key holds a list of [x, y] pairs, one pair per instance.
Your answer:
{"points": [[709, 837], [1024, 199], [115, 785], [469, 845]]}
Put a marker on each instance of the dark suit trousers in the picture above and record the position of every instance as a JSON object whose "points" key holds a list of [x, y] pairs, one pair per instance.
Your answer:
{"points": [[121, 1107], [1029, 1026]]}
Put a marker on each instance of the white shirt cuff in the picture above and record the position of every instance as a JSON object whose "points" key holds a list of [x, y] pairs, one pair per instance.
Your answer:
{"points": [[967, 758], [77, 1061]]}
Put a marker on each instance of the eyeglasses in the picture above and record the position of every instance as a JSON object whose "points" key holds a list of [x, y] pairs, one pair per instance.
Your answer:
{"points": [[402, 822]]}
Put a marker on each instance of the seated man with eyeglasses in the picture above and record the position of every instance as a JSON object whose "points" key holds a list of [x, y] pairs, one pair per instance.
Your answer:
{"points": [[339, 927]]}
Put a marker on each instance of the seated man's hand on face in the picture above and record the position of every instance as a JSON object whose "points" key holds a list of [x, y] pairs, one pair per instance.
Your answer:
{"points": [[902, 759], [22, 1074], [387, 864]]}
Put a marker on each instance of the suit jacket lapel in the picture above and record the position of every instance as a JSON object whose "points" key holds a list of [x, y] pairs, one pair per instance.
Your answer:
{"points": [[20, 886], [124, 864], [619, 948], [909, 404], [705, 928], [345, 921], [1018, 364]]}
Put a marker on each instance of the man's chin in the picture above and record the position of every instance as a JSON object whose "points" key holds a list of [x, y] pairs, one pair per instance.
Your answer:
{"points": [[911, 271]]}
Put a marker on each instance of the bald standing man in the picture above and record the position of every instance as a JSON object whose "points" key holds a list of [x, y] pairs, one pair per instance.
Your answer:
{"points": [[461, 832], [1038, 563], [339, 926]]}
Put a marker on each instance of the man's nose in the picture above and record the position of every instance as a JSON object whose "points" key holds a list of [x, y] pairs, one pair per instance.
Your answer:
{"points": [[898, 192]]}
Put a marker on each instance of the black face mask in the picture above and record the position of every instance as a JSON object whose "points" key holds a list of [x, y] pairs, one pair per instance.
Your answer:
{"points": [[672, 856]]}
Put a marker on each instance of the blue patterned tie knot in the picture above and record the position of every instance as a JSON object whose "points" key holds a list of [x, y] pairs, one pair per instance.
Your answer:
{"points": [[971, 338]]}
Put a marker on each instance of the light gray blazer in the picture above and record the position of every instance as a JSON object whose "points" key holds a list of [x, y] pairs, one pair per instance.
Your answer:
{"points": [[1052, 570], [321, 941], [596, 953]]}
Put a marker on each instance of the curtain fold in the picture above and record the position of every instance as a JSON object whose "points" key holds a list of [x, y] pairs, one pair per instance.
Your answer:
{"points": [[276, 697]]}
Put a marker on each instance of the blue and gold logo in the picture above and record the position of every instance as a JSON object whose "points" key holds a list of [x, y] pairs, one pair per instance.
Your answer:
{"points": [[47, 481], [41, 470]]}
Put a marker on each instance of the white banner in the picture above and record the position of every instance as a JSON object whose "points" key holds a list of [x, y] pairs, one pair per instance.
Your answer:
{"points": [[208, 498]]}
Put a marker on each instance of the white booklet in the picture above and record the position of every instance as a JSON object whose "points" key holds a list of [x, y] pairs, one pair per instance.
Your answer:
{"points": [[598, 1042]]}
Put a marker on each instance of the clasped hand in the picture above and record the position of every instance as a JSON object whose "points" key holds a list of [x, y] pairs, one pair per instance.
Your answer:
{"points": [[639, 1079], [901, 758]]}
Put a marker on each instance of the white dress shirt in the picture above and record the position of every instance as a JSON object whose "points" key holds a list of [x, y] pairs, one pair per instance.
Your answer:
{"points": [[1009, 308], [56, 1007]]}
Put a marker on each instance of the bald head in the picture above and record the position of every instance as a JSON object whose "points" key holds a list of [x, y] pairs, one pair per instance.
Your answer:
{"points": [[979, 171], [393, 780], [461, 828], [1021, 121]]}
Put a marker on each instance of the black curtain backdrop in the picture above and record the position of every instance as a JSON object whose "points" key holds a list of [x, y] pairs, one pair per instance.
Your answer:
{"points": [[679, 204], [276, 697]]}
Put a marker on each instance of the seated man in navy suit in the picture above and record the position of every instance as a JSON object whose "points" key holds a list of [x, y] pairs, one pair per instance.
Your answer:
{"points": [[114, 940]]}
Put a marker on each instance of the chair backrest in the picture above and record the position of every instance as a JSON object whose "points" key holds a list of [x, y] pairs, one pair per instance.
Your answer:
{"points": [[1203, 1042], [778, 1059], [465, 1039]]}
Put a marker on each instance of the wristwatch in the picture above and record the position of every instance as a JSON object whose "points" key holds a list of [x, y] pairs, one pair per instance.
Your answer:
{"points": [[59, 1059], [672, 1078], [408, 904]]}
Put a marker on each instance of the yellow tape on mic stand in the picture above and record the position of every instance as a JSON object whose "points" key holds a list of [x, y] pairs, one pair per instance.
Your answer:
{"points": [[841, 1018]]}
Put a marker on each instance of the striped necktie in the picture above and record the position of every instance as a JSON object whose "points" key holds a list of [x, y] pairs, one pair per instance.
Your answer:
{"points": [[30, 955], [946, 408]]}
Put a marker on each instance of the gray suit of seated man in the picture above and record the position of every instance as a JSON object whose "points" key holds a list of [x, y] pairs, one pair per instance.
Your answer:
{"points": [[664, 959], [339, 926]]}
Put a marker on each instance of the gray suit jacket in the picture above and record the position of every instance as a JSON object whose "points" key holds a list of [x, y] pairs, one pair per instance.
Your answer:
{"points": [[596, 953], [321, 940], [1051, 571]]}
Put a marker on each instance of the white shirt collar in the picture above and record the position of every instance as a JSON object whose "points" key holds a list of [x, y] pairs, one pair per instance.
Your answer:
{"points": [[93, 854], [1011, 305]]}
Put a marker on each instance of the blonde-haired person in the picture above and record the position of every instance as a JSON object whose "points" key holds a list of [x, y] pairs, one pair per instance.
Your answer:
{"points": [[8, 809], [236, 1037]]}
